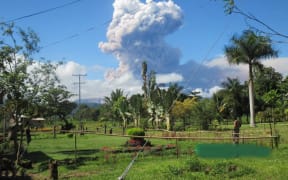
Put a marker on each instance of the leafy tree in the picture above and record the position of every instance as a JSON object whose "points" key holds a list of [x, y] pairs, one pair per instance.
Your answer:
{"points": [[16, 48], [87, 112], [30, 89], [249, 48], [272, 98], [266, 79], [56, 102], [284, 93], [183, 110]]}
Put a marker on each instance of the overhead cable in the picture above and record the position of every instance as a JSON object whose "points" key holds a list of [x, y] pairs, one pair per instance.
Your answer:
{"points": [[43, 11]]}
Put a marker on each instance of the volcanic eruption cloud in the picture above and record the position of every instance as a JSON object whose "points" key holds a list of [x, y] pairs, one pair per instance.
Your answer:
{"points": [[137, 33]]}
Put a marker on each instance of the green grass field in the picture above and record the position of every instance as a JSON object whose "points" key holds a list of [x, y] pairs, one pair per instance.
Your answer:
{"points": [[180, 163]]}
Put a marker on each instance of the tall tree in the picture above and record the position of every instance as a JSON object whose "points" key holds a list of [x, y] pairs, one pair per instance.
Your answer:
{"points": [[16, 48], [249, 49], [144, 77]]}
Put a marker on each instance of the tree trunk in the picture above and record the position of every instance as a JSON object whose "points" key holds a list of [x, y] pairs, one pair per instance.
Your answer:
{"points": [[138, 120], [251, 97], [123, 118], [167, 117], [20, 146], [135, 121]]}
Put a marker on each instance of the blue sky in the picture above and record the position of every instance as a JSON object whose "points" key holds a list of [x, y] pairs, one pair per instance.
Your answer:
{"points": [[73, 34]]}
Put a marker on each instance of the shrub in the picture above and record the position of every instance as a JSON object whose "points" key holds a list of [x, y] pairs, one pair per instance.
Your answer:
{"points": [[194, 164], [135, 141], [136, 132], [175, 170], [70, 135]]}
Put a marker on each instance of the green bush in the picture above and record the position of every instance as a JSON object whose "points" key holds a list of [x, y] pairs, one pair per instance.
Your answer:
{"points": [[194, 164], [70, 135], [175, 170], [136, 132]]}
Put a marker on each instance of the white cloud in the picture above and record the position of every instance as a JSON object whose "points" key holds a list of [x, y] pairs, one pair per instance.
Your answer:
{"points": [[207, 92], [241, 71], [279, 64], [93, 89], [228, 70], [169, 78]]}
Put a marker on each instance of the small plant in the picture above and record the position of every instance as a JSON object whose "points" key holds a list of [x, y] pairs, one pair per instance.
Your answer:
{"points": [[230, 169], [136, 132], [194, 164], [175, 170], [136, 141], [70, 135]]}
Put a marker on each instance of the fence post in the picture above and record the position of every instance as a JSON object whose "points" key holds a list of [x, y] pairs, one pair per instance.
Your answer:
{"points": [[177, 148], [276, 140], [53, 166]]}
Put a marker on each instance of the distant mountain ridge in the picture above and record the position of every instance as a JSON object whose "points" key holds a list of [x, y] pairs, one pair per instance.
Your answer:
{"points": [[91, 102]]}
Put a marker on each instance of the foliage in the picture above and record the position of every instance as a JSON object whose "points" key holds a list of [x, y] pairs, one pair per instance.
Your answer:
{"points": [[204, 113], [28, 88], [193, 164], [14, 60], [183, 110], [117, 105], [87, 112], [136, 106], [136, 132]]}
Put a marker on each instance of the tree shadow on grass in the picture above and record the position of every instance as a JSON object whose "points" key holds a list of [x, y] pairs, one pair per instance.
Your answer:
{"points": [[82, 152], [69, 163], [75, 163], [82, 156], [37, 156], [16, 178]]}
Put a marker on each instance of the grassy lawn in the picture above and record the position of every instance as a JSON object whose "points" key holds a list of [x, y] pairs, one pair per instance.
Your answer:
{"points": [[94, 163]]}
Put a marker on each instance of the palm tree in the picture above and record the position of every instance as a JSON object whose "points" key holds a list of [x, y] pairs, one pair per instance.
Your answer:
{"points": [[249, 48], [113, 103], [233, 96]]}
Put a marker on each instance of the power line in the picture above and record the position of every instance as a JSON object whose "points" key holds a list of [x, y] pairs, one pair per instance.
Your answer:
{"points": [[43, 11], [92, 28]]}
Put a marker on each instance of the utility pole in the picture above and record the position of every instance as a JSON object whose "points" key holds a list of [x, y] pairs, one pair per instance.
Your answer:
{"points": [[79, 94], [79, 102], [79, 85]]}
